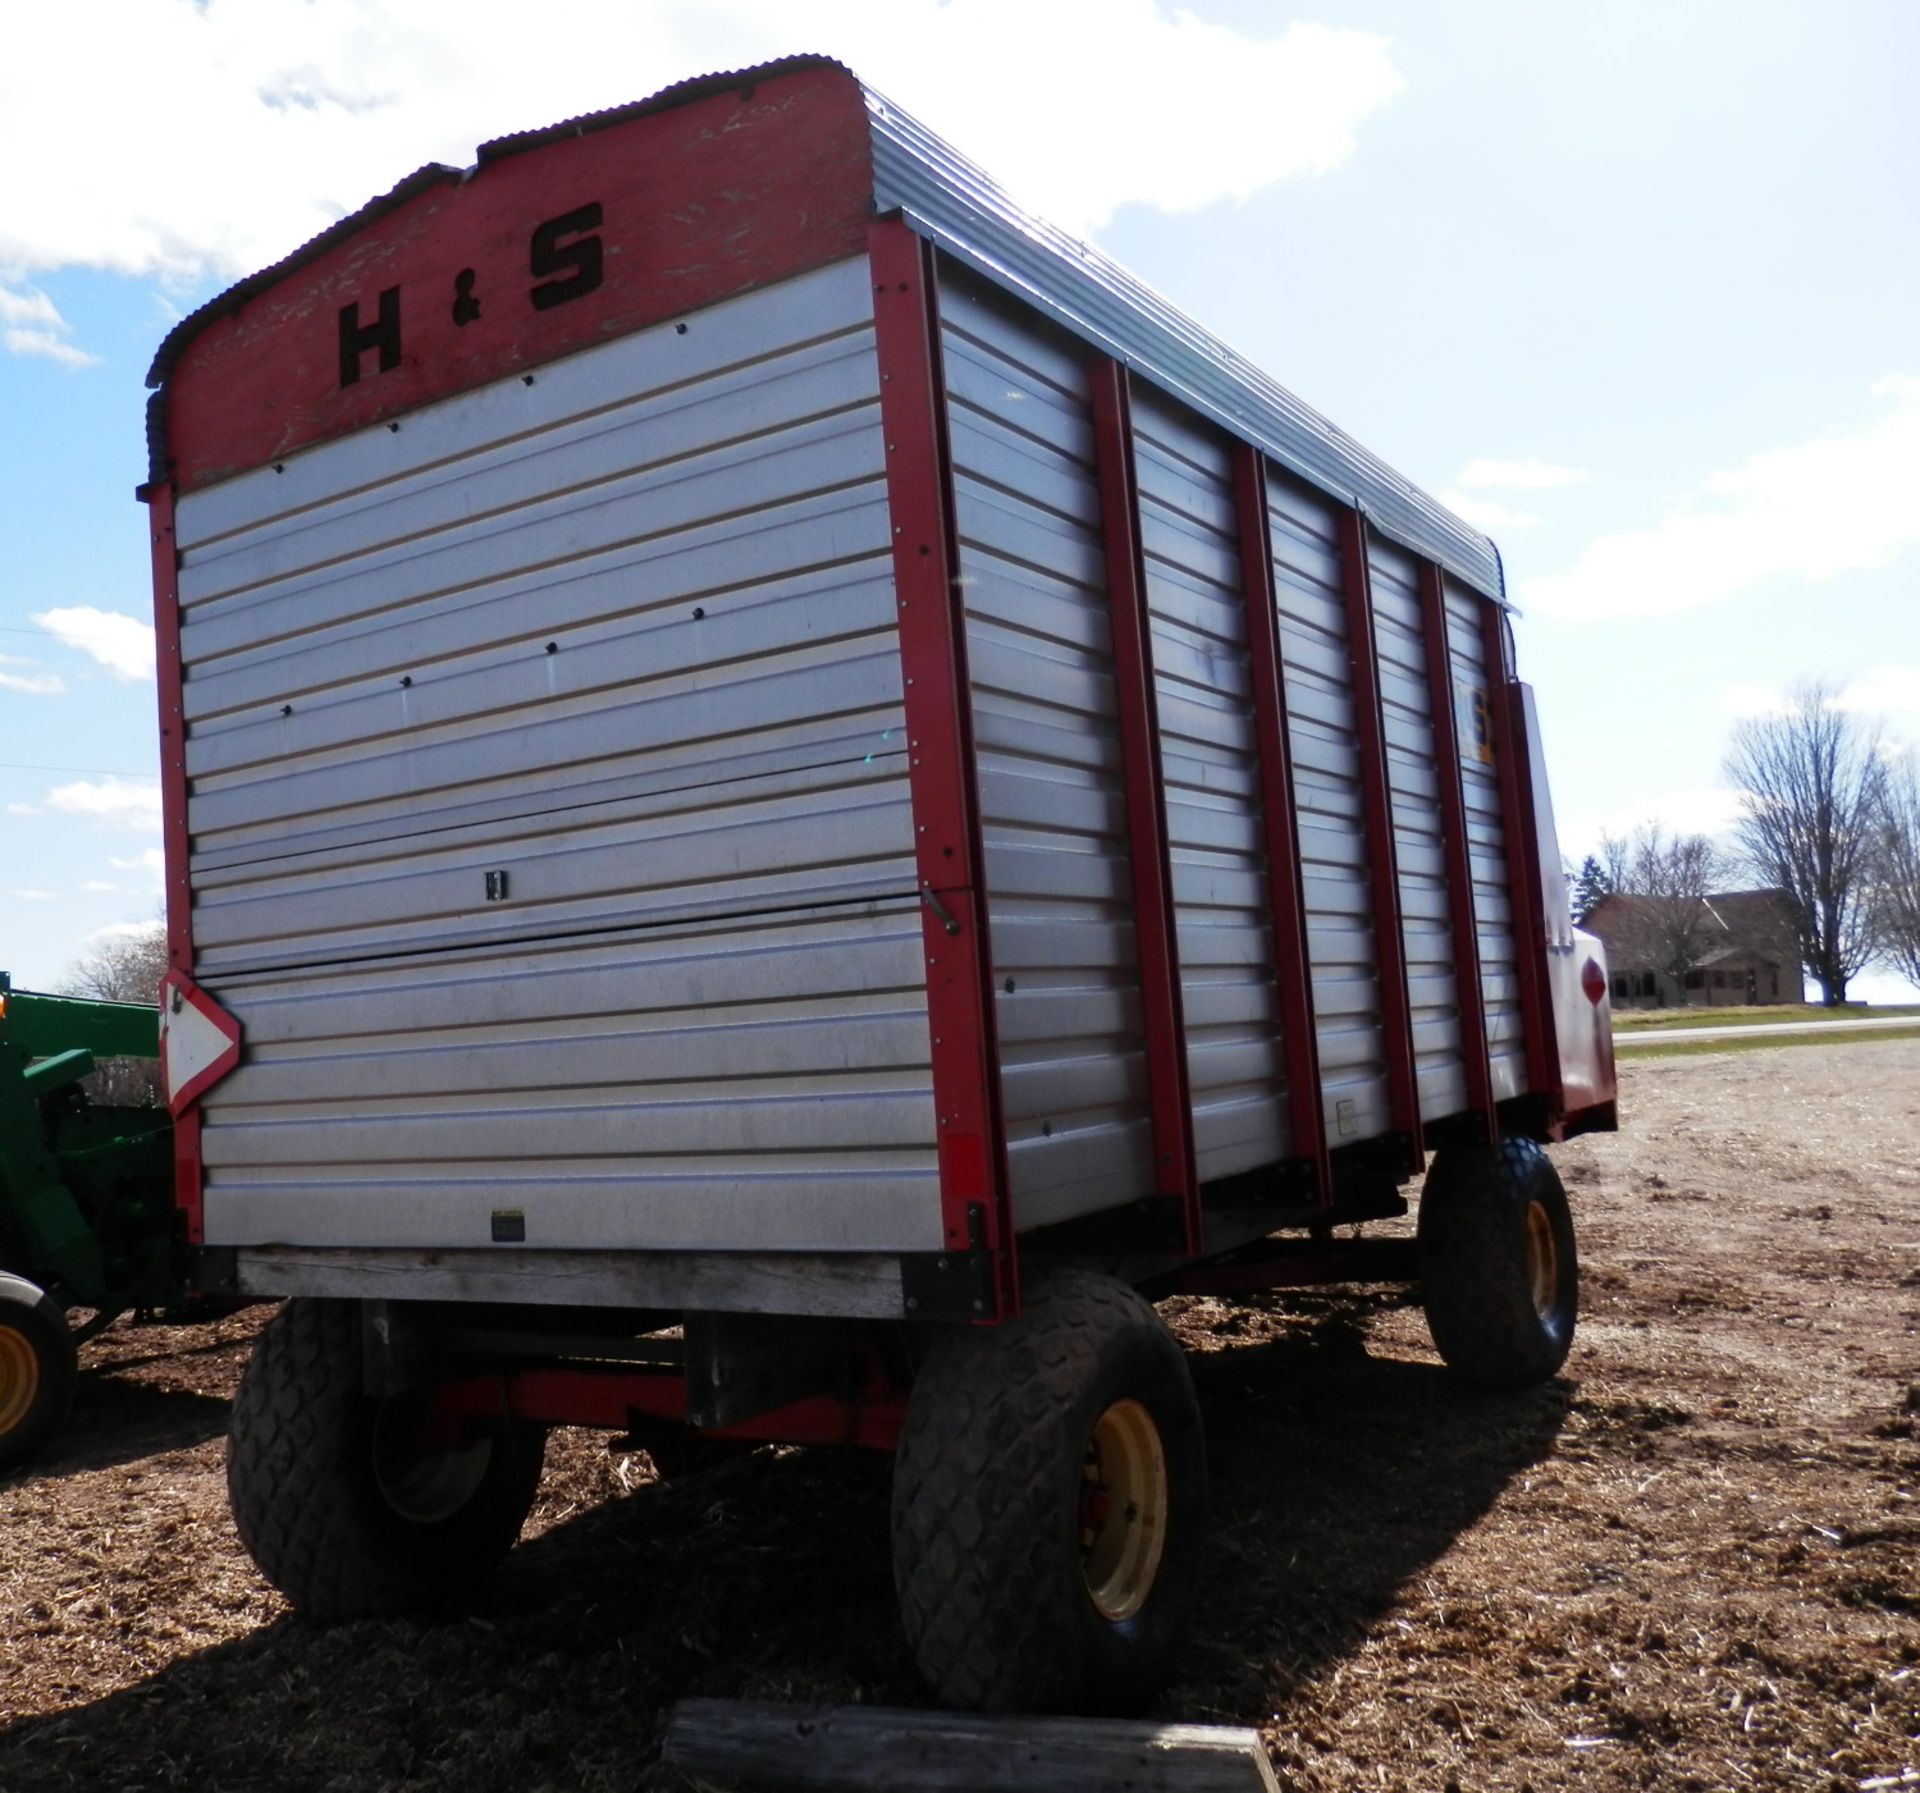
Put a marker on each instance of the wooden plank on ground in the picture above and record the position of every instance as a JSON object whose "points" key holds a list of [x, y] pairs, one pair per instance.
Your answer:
{"points": [[762, 1743]]}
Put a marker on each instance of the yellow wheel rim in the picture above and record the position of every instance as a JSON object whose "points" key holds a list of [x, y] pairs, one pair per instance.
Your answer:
{"points": [[19, 1377], [1543, 1260], [1123, 1509]]}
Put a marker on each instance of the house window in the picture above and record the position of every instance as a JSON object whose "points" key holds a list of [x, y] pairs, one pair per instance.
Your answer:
{"points": [[1719, 980], [1621, 989], [1695, 980]]}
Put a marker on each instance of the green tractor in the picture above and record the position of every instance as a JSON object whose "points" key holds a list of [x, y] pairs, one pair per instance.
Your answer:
{"points": [[86, 1201]]}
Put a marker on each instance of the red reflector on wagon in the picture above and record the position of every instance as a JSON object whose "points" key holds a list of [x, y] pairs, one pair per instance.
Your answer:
{"points": [[1594, 981]]}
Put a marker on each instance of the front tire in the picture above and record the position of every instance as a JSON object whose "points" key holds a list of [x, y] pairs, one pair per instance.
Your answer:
{"points": [[337, 1498], [1049, 1502], [1499, 1273], [38, 1368]]}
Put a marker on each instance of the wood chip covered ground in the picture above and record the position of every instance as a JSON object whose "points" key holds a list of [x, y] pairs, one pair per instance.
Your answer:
{"points": [[1693, 1562]]}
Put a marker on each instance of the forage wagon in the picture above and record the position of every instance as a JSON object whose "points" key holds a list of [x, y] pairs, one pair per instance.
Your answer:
{"points": [[786, 796]]}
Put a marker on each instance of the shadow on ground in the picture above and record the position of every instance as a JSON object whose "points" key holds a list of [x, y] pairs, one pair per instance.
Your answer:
{"points": [[117, 1420], [1337, 1476]]}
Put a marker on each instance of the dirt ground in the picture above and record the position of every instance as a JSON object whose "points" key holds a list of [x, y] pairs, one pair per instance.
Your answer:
{"points": [[1693, 1562]]}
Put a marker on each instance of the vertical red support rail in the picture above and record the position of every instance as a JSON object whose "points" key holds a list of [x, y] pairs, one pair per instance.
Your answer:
{"points": [[1280, 821], [975, 1195], [1383, 872], [1524, 901], [1468, 985], [1169, 1094], [174, 843]]}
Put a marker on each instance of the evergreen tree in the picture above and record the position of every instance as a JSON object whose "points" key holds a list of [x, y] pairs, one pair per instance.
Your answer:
{"points": [[1589, 887]]}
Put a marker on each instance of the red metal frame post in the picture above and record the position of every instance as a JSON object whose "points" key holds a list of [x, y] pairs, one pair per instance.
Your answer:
{"points": [[975, 1198], [174, 843], [1169, 1092], [1383, 871], [1524, 900], [1280, 819], [1469, 988]]}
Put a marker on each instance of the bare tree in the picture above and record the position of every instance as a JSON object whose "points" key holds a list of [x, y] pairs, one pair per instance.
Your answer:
{"points": [[123, 968], [1616, 860], [1670, 878], [1812, 783], [1897, 872]]}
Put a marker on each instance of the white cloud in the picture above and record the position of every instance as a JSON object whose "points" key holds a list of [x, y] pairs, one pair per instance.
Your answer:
{"points": [[149, 860], [24, 809], [1840, 503], [97, 884], [1744, 700], [1889, 692], [122, 644], [1487, 513], [32, 684], [29, 896], [291, 114], [31, 324], [121, 930], [48, 347], [1690, 809], [29, 309], [1481, 474], [112, 802]]}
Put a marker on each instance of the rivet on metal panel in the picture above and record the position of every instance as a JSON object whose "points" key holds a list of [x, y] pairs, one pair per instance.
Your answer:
{"points": [[553, 647], [286, 709], [1008, 986], [698, 613], [406, 679], [393, 429], [679, 329], [279, 466], [526, 379]]}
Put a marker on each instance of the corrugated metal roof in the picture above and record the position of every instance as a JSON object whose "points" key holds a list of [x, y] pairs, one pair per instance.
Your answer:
{"points": [[948, 199], [953, 203]]}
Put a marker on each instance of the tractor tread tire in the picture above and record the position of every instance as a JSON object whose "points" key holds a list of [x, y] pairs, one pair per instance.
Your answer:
{"points": [[300, 1481], [978, 1529], [1473, 1276], [27, 1309]]}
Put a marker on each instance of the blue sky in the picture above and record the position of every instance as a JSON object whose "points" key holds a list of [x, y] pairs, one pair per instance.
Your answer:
{"points": [[1632, 285]]}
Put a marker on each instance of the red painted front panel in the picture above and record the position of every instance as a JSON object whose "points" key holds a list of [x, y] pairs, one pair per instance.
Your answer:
{"points": [[694, 203]]}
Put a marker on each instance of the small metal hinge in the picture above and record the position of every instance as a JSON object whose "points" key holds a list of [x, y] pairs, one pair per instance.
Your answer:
{"points": [[940, 911]]}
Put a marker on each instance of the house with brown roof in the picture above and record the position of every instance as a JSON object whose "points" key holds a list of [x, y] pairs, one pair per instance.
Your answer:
{"points": [[1741, 946]]}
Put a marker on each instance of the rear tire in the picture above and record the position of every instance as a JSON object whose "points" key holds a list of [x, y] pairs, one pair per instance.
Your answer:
{"points": [[1049, 1501], [335, 1496], [38, 1367], [1499, 1273]]}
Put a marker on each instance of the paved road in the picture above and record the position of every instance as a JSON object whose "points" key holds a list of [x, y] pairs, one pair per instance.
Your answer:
{"points": [[1626, 1038]]}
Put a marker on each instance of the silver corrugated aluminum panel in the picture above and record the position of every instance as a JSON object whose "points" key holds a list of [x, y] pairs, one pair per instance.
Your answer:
{"points": [[1333, 849], [1052, 799], [1486, 834], [949, 200], [1426, 927], [1210, 764], [551, 833]]}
